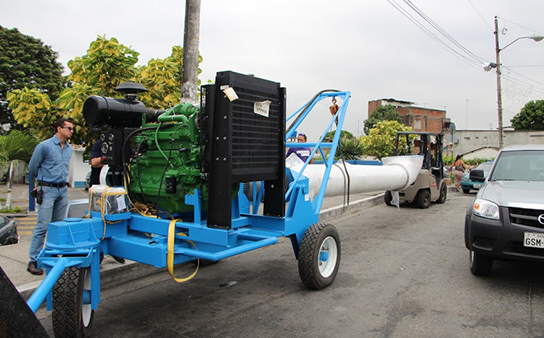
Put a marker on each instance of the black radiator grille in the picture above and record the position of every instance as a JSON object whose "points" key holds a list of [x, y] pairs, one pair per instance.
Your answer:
{"points": [[241, 145], [255, 138], [527, 217]]}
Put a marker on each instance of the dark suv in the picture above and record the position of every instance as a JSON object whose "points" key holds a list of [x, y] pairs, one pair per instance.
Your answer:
{"points": [[506, 218]]}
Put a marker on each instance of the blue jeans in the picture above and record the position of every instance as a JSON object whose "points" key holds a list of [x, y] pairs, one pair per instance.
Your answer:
{"points": [[52, 209]]}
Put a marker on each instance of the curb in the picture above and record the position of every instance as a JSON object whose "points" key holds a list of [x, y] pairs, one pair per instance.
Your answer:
{"points": [[16, 215], [340, 210], [114, 274]]}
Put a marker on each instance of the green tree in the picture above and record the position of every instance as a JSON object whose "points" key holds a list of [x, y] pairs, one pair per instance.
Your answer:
{"points": [[16, 145], [531, 116], [343, 134], [33, 109], [380, 141], [26, 62], [107, 64], [162, 79], [350, 148], [387, 113]]}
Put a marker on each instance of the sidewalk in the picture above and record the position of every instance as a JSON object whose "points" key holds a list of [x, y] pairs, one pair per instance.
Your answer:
{"points": [[14, 258]]}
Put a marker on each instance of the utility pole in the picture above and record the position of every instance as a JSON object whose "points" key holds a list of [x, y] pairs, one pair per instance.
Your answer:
{"points": [[499, 96], [191, 39]]}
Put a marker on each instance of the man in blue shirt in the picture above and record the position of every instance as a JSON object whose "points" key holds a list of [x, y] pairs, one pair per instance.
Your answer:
{"points": [[49, 166], [302, 152]]}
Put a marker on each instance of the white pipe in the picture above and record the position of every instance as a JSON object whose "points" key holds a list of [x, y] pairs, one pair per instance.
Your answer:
{"points": [[397, 173]]}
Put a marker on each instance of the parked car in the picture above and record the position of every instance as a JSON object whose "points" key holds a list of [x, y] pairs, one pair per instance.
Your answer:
{"points": [[8, 231], [467, 184], [506, 218], [77, 208]]}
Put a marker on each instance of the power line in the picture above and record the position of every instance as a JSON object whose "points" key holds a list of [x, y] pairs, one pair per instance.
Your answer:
{"points": [[483, 19], [523, 76], [467, 56], [443, 32], [517, 24], [404, 12], [527, 66]]}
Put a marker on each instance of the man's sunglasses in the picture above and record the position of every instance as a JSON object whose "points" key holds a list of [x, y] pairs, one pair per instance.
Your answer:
{"points": [[69, 128]]}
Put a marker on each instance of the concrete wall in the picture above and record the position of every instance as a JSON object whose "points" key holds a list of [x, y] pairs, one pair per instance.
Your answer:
{"points": [[484, 143]]}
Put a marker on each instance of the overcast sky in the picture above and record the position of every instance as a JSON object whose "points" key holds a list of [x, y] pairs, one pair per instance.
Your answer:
{"points": [[366, 47]]}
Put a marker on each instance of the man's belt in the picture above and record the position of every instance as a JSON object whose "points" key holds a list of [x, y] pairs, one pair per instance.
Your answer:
{"points": [[54, 185]]}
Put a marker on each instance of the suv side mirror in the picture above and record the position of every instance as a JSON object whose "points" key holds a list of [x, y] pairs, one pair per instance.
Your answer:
{"points": [[477, 175]]}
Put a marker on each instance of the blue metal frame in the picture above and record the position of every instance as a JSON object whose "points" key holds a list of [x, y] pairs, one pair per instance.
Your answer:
{"points": [[77, 242]]}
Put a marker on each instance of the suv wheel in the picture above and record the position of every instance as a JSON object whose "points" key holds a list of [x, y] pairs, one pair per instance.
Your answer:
{"points": [[480, 265]]}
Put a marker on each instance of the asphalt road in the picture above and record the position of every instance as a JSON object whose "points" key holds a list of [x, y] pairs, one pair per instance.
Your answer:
{"points": [[404, 273]]}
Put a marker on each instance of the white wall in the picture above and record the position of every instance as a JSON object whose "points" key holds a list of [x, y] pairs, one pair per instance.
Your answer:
{"points": [[469, 140], [78, 169]]}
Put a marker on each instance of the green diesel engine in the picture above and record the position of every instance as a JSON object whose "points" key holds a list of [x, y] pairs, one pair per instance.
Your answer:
{"points": [[235, 135], [158, 151], [166, 163]]}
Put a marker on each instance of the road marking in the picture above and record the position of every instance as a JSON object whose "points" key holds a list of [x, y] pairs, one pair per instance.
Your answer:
{"points": [[26, 225]]}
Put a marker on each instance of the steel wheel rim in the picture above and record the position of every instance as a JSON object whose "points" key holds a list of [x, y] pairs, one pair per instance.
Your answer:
{"points": [[86, 310], [328, 255]]}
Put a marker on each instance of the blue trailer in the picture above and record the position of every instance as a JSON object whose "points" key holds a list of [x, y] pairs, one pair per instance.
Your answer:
{"points": [[215, 219]]}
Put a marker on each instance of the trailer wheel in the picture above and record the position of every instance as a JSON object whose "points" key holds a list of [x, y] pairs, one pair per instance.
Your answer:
{"points": [[71, 317], [423, 199], [388, 197], [319, 256], [443, 194]]}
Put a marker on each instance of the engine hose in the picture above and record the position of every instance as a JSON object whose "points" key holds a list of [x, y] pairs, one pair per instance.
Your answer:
{"points": [[166, 167], [346, 191], [126, 170], [138, 170], [125, 142]]}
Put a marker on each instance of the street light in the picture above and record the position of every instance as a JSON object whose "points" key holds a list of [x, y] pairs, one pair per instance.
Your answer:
{"points": [[497, 65]]}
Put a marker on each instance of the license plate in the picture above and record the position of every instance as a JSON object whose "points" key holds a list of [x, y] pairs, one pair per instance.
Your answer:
{"points": [[533, 240], [477, 185]]}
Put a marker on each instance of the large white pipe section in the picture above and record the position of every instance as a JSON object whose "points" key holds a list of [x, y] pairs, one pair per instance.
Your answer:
{"points": [[396, 173]]}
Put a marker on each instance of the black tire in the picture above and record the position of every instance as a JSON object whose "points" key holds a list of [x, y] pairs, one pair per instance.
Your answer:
{"points": [[319, 256], [388, 197], [423, 199], [443, 194], [72, 318], [466, 191], [480, 265]]}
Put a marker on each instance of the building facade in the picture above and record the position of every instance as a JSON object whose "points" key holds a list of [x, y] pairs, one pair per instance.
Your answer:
{"points": [[419, 118]]}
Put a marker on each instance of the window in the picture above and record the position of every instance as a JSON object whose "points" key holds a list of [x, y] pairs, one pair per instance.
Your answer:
{"points": [[526, 165]]}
